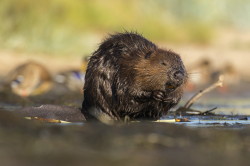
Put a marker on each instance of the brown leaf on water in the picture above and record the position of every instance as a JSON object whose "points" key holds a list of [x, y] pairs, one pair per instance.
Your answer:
{"points": [[46, 120], [182, 120]]}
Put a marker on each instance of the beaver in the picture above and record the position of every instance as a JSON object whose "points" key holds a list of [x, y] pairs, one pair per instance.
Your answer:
{"points": [[73, 79], [128, 76], [29, 79]]}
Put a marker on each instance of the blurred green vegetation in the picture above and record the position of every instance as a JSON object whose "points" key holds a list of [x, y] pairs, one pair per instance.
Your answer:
{"points": [[76, 26]]}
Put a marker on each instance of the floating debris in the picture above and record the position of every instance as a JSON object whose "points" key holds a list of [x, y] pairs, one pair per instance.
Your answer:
{"points": [[46, 120]]}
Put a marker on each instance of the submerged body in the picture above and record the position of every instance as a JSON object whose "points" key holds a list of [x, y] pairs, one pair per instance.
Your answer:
{"points": [[129, 76]]}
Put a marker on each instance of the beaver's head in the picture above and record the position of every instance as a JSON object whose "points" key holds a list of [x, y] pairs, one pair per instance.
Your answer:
{"points": [[159, 70]]}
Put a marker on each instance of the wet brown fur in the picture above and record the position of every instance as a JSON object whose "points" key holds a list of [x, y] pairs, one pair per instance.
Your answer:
{"points": [[129, 76]]}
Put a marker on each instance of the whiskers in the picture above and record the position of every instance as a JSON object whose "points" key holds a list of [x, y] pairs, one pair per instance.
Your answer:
{"points": [[193, 75]]}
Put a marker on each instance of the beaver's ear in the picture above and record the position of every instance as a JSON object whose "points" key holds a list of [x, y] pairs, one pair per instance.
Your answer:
{"points": [[148, 54]]}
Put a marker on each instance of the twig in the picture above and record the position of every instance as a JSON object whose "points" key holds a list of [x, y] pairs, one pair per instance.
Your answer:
{"points": [[208, 111], [219, 83]]}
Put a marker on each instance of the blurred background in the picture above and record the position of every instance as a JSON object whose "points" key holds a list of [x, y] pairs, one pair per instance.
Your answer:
{"points": [[212, 37], [62, 28]]}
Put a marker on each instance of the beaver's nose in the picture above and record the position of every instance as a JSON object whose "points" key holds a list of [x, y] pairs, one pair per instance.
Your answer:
{"points": [[178, 75]]}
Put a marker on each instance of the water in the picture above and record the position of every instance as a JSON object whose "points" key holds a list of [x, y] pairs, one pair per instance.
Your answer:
{"points": [[229, 112], [231, 121]]}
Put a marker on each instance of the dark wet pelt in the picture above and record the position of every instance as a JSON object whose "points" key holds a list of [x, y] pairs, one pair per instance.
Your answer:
{"points": [[26, 143]]}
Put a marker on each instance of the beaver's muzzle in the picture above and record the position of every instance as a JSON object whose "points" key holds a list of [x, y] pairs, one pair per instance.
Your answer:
{"points": [[177, 78]]}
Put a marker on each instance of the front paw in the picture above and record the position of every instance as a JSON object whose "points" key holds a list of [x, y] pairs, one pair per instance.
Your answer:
{"points": [[173, 100], [158, 95]]}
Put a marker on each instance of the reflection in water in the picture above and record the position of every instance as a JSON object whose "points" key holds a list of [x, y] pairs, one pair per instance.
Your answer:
{"points": [[212, 121]]}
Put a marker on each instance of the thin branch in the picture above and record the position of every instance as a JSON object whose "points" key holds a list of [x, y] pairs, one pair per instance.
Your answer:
{"points": [[219, 83]]}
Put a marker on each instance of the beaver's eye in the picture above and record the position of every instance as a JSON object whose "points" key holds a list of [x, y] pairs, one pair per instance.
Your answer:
{"points": [[163, 63], [148, 54]]}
